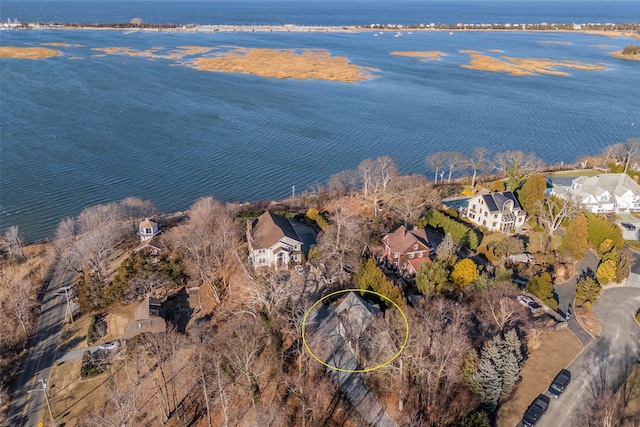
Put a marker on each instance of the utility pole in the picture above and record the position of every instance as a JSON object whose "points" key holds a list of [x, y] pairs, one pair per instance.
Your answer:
{"points": [[69, 310], [46, 397]]}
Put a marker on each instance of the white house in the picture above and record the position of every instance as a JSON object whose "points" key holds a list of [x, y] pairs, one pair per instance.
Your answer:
{"points": [[499, 211], [147, 229], [274, 242], [607, 192]]}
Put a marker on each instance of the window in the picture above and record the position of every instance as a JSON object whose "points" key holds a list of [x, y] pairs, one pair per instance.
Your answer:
{"points": [[484, 222], [395, 254], [139, 325], [148, 231], [494, 224], [486, 214], [495, 216], [415, 247], [411, 255], [261, 251]]}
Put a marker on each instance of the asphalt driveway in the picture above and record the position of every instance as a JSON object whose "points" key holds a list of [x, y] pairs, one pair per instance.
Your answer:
{"points": [[605, 360]]}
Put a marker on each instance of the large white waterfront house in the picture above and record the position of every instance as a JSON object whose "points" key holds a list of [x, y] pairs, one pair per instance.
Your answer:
{"points": [[499, 211], [607, 192]]}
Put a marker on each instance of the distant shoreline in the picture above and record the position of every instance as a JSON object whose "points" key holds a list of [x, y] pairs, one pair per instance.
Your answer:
{"points": [[631, 30]]}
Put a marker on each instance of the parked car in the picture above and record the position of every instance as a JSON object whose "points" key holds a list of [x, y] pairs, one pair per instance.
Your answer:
{"points": [[528, 302], [108, 346], [535, 410], [628, 226], [559, 383]]}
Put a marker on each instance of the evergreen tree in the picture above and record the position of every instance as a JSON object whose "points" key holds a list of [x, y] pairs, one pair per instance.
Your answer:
{"points": [[542, 287], [576, 238], [370, 276], [587, 290], [532, 193], [432, 277], [600, 228]]}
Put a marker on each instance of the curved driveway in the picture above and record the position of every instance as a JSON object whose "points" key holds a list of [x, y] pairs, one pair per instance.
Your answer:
{"points": [[604, 361]]}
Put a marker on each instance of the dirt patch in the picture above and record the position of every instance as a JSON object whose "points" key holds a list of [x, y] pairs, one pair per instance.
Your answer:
{"points": [[27, 52], [588, 320], [432, 55], [557, 349], [525, 66]]}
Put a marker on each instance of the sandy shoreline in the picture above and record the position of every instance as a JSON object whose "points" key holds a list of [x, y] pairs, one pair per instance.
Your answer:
{"points": [[631, 30]]}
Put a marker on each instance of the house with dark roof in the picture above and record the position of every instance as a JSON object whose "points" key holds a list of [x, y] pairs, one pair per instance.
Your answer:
{"points": [[275, 241], [499, 211], [148, 317], [406, 249], [607, 192]]}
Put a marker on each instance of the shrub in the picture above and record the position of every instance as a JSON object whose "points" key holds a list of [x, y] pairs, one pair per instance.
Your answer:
{"points": [[460, 232], [92, 329], [90, 367], [464, 272], [606, 271]]}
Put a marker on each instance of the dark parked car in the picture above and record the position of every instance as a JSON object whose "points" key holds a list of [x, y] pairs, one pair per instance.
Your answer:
{"points": [[535, 410], [559, 383], [628, 226]]}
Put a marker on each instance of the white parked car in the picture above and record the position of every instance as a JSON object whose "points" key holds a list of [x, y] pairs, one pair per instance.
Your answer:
{"points": [[113, 345], [528, 302]]}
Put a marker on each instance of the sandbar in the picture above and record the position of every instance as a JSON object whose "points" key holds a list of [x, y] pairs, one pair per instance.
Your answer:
{"points": [[299, 64], [432, 55], [60, 44], [149, 53], [27, 52], [619, 54], [526, 66]]}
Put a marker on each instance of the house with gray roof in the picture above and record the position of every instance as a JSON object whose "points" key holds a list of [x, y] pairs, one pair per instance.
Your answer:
{"points": [[275, 241], [607, 192], [499, 211]]}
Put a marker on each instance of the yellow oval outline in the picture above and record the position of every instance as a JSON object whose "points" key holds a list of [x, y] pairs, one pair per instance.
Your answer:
{"points": [[355, 371]]}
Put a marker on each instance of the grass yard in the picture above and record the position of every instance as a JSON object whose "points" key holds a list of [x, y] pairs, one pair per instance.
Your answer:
{"points": [[577, 173], [557, 349]]}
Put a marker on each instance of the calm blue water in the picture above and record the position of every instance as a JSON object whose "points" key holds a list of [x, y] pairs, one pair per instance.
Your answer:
{"points": [[82, 129], [312, 12]]}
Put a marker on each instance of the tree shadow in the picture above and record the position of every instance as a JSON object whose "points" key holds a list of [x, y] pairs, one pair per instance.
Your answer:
{"points": [[179, 310]]}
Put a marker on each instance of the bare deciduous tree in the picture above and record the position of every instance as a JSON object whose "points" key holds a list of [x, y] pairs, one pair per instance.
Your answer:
{"points": [[555, 210], [409, 196], [435, 161], [136, 208], [210, 239], [478, 161], [342, 245], [498, 305], [366, 170], [12, 242], [342, 183], [454, 161], [517, 166]]}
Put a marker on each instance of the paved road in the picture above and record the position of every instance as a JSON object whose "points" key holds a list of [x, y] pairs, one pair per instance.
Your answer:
{"points": [[604, 360], [567, 291], [28, 407]]}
